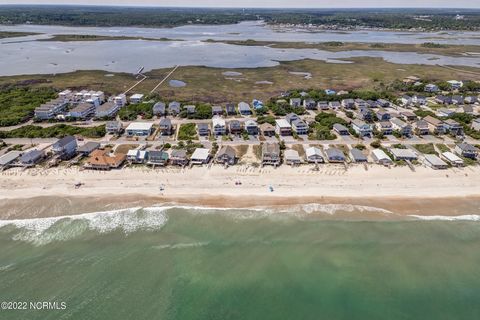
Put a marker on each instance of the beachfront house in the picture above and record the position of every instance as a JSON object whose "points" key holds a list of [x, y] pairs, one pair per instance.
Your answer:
{"points": [[65, 148], [136, 156], [9, 158], [291, 157], [466, 150], [401, 127], [32, 157], [361, 128], [139, 129], [159, 109], [267, 129], [244, 109], [113, 127], [178, 157], [403, 154], [235, 127], [453, 159], [299, 127], [340, 129], [165, 127], [251, 127], [314, 155], [385, 127], [105, 160], [434, 162], [226, 155], [358, 156], [379, 156], [87, 148], [203, 129], [271, 154], [283, 128], [157, 157], [200, 156], [335, 155]]}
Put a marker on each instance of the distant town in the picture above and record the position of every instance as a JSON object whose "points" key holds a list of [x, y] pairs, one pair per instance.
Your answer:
{"points": [[438, 126]]}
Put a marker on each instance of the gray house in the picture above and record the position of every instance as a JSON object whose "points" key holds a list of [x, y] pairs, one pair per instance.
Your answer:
{"points": [[271, 154], [178, 157], [174, 108], [466, 150], [66, 147], [226, 155], [203, 129], [358, 156], [335, 155], [32, 157], [340, 129], [244, 109], [165, 127], [155, 157], [159, 109], [113, 127]]}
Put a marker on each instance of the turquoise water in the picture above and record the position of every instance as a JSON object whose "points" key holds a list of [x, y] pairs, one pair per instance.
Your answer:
{"points": [[193, 264]]}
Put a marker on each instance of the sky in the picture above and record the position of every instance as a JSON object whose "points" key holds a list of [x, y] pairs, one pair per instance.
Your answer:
{"points": [[266, 3]]}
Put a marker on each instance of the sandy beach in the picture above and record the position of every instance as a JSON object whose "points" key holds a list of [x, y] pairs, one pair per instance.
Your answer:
{"points": [[425, 191]]}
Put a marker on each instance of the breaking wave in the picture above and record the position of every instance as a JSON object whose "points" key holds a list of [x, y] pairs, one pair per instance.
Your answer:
{"points": [[469, 217], [41, 231]]}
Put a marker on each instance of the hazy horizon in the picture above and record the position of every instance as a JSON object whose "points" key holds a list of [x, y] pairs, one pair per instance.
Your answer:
{"points": [[354, 4]]}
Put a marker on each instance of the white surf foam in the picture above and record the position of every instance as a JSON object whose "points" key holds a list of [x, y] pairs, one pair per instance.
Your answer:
{"points": [[181, 245], [44, 230], [469, 217]]}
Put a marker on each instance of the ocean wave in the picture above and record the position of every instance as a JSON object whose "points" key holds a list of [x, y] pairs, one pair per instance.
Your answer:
{"points": [[41, 231], [468, 217]]}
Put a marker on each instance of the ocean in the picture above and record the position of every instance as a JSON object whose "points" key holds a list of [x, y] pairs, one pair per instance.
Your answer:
{"points": [[305, 262]]}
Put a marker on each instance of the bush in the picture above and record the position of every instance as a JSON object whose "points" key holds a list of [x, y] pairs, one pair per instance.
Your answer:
{"points": [[56, 131], [187, 132], [376, 144], [17, 104]]}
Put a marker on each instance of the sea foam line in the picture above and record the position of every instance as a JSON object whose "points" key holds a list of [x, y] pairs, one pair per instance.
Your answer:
{"points": [[468, 217], [44, 230]]}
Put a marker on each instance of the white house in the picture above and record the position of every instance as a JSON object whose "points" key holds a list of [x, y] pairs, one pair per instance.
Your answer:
{"points": [[136, 98], [361, 128], [219, 126], [139, 129]]}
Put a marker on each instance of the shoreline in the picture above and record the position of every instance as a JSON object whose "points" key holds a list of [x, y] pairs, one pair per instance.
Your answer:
{"points": [[41, 193]]}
